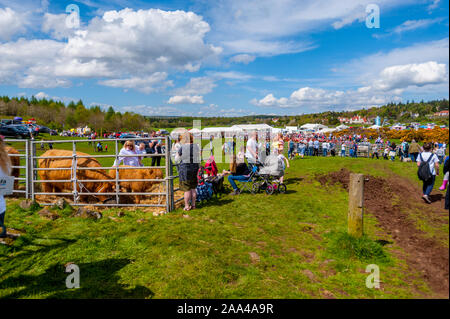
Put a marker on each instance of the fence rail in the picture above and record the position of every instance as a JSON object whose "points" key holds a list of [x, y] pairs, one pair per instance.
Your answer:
{"points": [[28, 174]]}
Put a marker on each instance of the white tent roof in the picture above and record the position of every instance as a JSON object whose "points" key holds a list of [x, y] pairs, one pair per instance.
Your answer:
{"points": [[176, 132], [249, 127], [194, 130], [342, 127], [375, 127], [221, 129], [313, 126]]}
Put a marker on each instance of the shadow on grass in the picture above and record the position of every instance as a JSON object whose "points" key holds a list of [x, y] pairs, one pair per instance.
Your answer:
{"points": [[22, 244], [97, 280], [436, 198]]}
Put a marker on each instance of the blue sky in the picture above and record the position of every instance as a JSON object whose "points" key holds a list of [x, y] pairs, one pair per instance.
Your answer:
{"points": [[225, 57]]}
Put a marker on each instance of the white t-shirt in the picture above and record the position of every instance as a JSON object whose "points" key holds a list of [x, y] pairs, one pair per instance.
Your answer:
{"points": [[434, 159], [251, 145], [128, 160], [281, 158]]}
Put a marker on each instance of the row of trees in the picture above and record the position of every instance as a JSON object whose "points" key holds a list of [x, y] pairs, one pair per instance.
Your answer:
{"points": [[58, 115]]}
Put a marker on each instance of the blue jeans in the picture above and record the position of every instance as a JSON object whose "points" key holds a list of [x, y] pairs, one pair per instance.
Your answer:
{"points": [[413, 156], [2, 223], [290, 151], [239, 178], [310, 151], [325, 152], [343, 153], [428, 185]]}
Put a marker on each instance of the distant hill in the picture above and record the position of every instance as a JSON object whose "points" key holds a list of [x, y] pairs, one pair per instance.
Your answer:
{"points": [[57, 115]]}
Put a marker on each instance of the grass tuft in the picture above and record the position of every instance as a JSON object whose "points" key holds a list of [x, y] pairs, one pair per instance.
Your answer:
{"points": [[365, 249]]}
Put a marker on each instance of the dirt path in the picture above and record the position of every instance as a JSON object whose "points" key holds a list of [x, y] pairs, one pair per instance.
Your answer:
{"points": [[424, 255]]}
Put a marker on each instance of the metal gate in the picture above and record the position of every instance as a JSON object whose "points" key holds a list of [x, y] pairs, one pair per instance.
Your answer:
{"points": [[20, 169], [79, 191]]}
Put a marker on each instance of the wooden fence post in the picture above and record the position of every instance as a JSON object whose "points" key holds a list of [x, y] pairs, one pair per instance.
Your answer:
{"points": [[356, 205]]}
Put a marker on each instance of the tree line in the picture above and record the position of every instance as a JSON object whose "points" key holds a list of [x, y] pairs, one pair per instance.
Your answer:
{"points": [[58, 115]]}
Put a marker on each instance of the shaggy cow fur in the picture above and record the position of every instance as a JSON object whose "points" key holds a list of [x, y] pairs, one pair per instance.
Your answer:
{"points": [[137, 187], [65, 187]]}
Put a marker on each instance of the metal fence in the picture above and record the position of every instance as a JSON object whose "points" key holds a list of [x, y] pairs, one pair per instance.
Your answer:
{"points": [[116, 197]]}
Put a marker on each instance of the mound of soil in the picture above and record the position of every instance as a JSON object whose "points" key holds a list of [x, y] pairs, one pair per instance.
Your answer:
{"points": [[424, 255]]}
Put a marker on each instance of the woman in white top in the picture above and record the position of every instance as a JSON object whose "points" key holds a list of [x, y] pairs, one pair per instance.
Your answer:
{"points": [[5, 170], [128, 149], [434, 169]]}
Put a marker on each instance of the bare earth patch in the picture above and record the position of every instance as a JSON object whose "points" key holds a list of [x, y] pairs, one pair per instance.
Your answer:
{"points": [[424, 255]]}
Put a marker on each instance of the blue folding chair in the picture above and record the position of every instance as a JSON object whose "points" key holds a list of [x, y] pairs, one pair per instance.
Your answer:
{"points": [[248, 184]]}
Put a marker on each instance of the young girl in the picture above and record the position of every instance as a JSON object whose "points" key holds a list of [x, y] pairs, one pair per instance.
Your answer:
{"points": [[283, 159], [5, 170]]}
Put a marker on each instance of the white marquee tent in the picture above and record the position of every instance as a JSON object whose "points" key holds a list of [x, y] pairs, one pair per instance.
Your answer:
{"points": [[313, 127], [342, 127], [218, 131]]}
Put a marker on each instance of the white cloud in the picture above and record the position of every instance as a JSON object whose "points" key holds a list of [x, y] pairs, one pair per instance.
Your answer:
{"points": [[152, 83], [197, 86], [267, 27], [433, 5], [144, 41], [186, 99], [243, 58], [411, 25], [41, 95], [55, 25], [12, 23], [403, 76], [366, 70], [389, 85], [124, 47], [231, 75]]}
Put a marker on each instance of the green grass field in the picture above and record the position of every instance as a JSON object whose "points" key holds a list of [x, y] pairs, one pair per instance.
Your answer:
{"points": [[250, 246]]}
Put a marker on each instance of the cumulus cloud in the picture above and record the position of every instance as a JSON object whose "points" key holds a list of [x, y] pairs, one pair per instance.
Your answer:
{"points": [[55, 25], [125, 47], [186, 99], [41, 95], [389, 86], [403, 76], [12, 23]]}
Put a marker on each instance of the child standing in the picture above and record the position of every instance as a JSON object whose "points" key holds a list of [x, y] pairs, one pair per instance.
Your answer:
{"points": [[282, 159]]}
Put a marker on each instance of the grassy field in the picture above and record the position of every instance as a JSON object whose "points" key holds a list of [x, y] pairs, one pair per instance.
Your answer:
{"points": [[250, 246]]}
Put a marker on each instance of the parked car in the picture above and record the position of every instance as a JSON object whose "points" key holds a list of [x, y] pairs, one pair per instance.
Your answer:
{"points": [[43, 129], [126, 135], [14, 131]]}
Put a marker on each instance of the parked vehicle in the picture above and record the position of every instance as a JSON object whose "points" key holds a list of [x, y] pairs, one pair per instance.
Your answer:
{"points": [[14, 131]]}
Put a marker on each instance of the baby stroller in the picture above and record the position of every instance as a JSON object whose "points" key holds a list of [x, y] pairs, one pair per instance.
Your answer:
{"points": [[269, 175]]}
